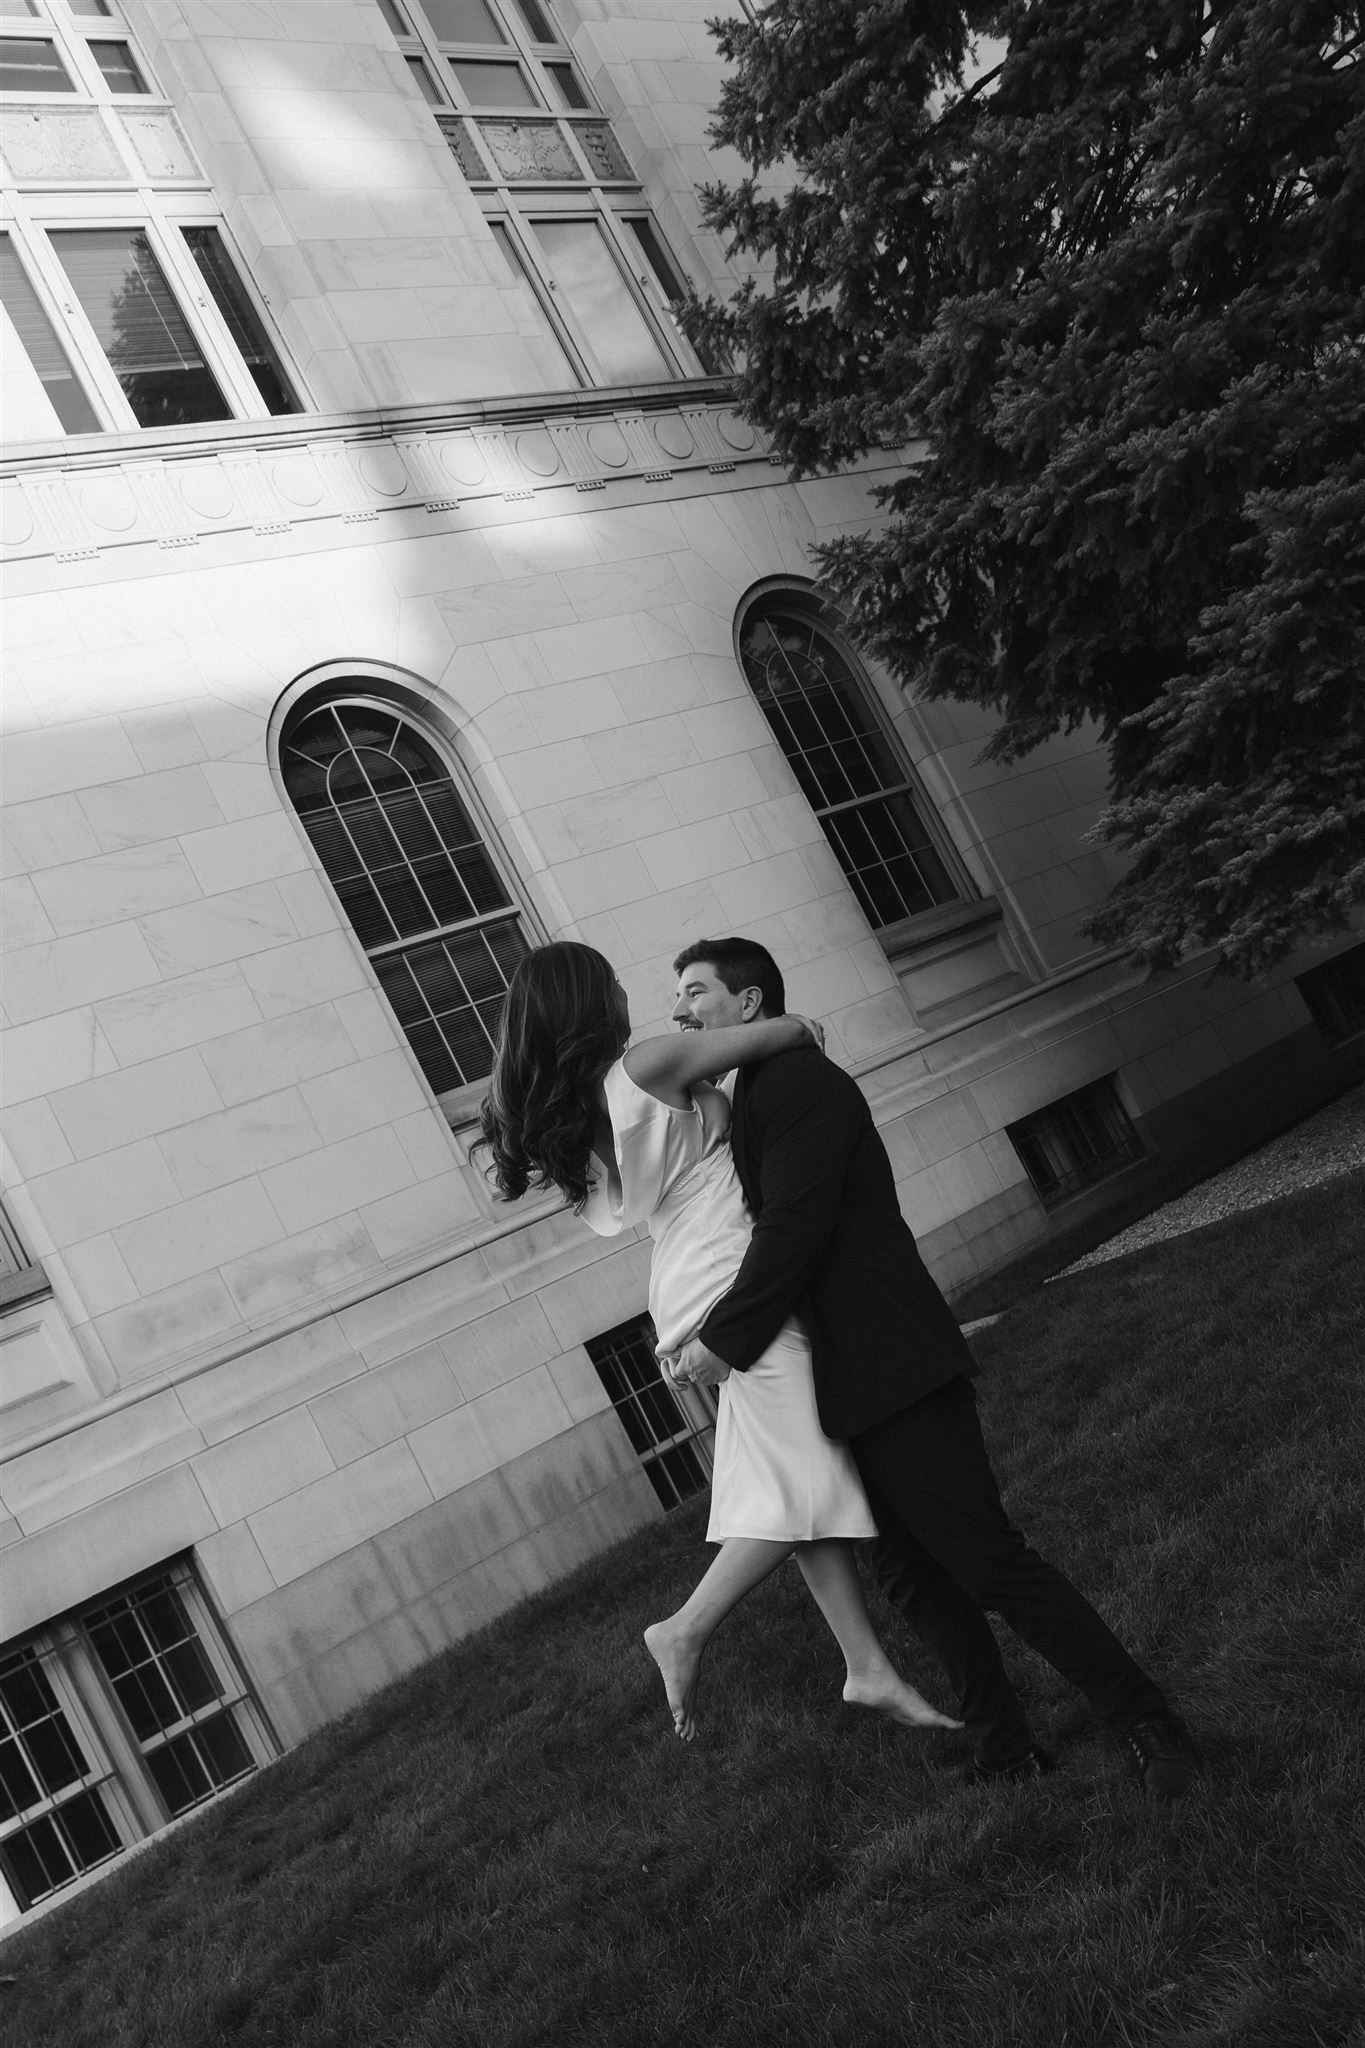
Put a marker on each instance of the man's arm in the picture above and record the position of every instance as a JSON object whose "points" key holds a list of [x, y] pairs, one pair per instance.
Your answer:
{"points": [[807, 1133]]}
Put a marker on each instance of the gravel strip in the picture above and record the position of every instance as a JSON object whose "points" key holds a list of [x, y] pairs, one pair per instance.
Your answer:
{"points": [[1328, 1143]]}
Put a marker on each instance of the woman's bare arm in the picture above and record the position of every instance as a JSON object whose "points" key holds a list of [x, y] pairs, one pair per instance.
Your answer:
{"points": [[668, 1067]]}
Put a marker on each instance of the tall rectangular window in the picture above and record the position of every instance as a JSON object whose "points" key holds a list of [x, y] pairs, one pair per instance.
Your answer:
{"points": [[1335, 995], [411, 870], [520, 118], [146, 338], [244, 323], [1075, 1141], [595, 293], [671, 1429], [31, 64], [114, 1720], [38, 361]]}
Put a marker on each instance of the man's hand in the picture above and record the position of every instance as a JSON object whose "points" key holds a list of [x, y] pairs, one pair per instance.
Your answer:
{"points": [[695, 1366]]}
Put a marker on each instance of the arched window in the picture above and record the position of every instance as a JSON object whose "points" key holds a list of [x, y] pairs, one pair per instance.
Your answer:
{"points": [[847, 764], [414, 876]]}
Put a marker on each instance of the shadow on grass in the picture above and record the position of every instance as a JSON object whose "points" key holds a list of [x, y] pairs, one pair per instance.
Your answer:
{"points": [[509, 1849]]}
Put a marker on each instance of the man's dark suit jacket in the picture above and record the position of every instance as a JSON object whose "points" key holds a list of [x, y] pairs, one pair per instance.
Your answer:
{"points": [[830, 1244]]}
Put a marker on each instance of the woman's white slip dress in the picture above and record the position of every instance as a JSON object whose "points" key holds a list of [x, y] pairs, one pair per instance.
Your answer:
{"points": [[777, 1475]]}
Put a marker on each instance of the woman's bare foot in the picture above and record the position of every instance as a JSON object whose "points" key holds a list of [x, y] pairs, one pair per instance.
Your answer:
{"points": [[889, 1694], [680, 1666]]}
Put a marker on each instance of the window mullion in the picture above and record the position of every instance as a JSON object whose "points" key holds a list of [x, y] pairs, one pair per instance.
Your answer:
{"points": [[206, 323], [861, 803], [74, 323], [135, 1797], [482, 921]]}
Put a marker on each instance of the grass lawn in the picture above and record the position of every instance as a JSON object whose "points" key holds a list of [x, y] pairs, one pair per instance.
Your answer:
{"points": [[511, 1848]]}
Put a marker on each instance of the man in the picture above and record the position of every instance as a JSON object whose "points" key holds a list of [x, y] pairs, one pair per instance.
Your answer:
{"points": [[893, 1377]]}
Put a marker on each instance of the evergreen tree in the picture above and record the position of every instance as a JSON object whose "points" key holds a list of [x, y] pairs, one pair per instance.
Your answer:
{"points": [[1115, 287]]}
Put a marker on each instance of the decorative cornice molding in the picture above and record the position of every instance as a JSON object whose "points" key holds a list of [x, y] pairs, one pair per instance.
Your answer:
{"points": [[270, 478]]}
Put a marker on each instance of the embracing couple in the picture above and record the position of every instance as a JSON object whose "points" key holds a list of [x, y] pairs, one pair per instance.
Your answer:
{"points": [[785, 1276]]}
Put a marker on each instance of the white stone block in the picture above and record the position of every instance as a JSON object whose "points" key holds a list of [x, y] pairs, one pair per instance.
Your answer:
{"points": [[426, 1138], [35, 1138], [118, 1108], [603, 881], [590, 648], [170, 1015], [763, 889], [652, 746], [150, 807], [566, 711], [733, 726], [23, 921], [693, 853], [337, 1178], [197, 1235], [363, 1095], [309, 902], [278, 1053], [71, 1563], [264, 1464], [670, 921], [369, 1024], [165, 739], [232, 1569], [714, 787], [553, 774], [431, 1212], [607, 818], [290, 977], [579, 1385], [99, 1275], [386, 1403], [338, 1512], [218, 1149], [499, 1347], [89, 1465], [113, 886], [50, 832], [180, 1322], [219, 928], [61, 974], [311, 1266], [95, 1195], [56, 1053], [73, 756], [269, 1380], [249, 850]]}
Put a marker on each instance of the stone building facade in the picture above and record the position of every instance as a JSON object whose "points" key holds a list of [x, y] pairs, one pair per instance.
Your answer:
{"points": [[389, 587]]}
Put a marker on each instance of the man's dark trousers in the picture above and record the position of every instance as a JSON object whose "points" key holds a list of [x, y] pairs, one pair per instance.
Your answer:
{"points": [[946, 1550], [892, 1379]]}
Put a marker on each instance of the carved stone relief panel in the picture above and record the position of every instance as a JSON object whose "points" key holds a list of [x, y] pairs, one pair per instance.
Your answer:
{"points": [[56, 143], [160, 144]]}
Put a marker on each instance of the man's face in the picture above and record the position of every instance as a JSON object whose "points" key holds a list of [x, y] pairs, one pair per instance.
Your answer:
{"points": [[704, 1002]]}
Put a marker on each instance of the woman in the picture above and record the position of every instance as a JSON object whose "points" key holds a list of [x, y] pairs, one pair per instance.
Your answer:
{"points": [[642, 1135]]}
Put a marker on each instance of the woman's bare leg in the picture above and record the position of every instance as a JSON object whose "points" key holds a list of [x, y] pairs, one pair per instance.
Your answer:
{"points": [[676, 1645], [873, 1680]]}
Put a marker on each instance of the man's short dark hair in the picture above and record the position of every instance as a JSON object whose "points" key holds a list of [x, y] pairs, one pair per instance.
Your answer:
{"points": [[739, 963]]}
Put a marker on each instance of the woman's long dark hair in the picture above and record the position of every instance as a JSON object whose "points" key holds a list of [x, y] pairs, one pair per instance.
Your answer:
{"points": [[561, 1030]]}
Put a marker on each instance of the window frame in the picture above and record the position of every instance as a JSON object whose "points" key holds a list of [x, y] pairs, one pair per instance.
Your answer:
{"points": [[518, 202], [696, 1408], [1335, 1006], [71, 35], [114, 1755], [460, 1105], [1100, 1096], [801, 598], [33, 218], [22, 1277]]}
